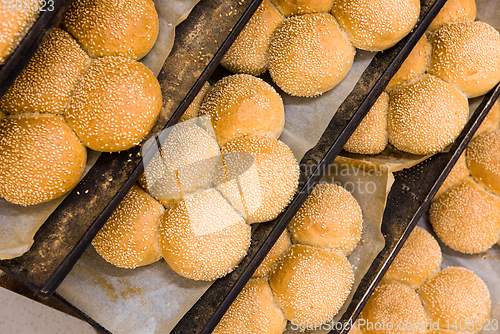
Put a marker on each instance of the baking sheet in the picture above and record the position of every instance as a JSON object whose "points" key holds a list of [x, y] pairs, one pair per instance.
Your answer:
{"points": [[19, 224]]}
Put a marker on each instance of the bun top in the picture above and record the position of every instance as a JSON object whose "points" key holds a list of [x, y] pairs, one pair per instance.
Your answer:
{"points": [[299, 7], [12, 28], [483, 159], [453, 11]]}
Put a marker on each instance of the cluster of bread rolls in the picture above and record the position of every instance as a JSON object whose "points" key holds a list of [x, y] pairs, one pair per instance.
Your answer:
{"points": [[415, 296], [306, 277], [458, 58], [15, 23], [309, 46], [83, 87]]}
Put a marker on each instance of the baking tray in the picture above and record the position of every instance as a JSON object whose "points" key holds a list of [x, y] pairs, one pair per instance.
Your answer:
{"points": [[31, 42]]}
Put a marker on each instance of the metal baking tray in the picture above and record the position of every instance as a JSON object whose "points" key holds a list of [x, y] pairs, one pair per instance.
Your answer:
{"points": [[26, 49]]}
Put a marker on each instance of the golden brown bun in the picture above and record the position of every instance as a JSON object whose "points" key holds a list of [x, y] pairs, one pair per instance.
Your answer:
{"points": [[467, 54], [311, 284], [394, 303], [376, 25], [113, 28], [467, 218], [457, 173], [456, 294], [415, 65], [46, 83], [193, 110], [490, 122], [426, 115], [270, 183], [329, 218], [129, 238], [354, 330], [202, 237], [250, 51], [418, 260], [115, 104], [242, 105], [298, 7], [14, 26], [371, 136], [281, 245], [483, 159], [453, 11], [166, 202], [309, 55], [255, 310], [40, 158]]}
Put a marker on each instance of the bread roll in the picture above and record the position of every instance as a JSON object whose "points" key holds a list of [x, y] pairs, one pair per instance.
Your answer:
{"points": [[299, 7], [354, 330], [457, 173], [255, 310], [113, 28], [456, 295], [454, 10], [250, 51], [467, 54], [467, 218], [14, 24], [329, 218], [129, 238], [376, 25], [270, 181], [40, 158], [309, 55], [394, 308], [46, 83], [490, 122], [418, 260], [242, 105], [311, 284], [370, 136], [115, 104], [483, 159], [414, 65], [202, 237], [426, 115], [280, 247], [193, 110]]}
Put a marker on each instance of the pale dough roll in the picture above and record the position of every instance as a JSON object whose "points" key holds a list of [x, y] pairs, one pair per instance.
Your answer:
{"points": [[457, 173], [250, 51], [40, 158], [46, 83], [299, 7], [14, 24], [129, 238], [454, 10], [255, 310], [483, 159], [280, 247], [371, 135], [194, 108]]}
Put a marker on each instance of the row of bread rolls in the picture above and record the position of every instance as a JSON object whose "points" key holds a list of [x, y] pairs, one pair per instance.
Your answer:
{"points": [[416, 297], [81, 88], [15, 23]]}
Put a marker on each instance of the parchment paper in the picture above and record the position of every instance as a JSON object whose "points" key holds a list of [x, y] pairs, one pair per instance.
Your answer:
{"points": [[19, 224]]}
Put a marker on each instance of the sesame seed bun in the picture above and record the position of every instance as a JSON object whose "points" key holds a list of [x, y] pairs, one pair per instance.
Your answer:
{"points": [[115, 104], [113, 28], [371, 136], [490, 122], [354, 330], [426, 115], [40, 158], [467, 218], [418, 260], [311, 284], [455, 294], [193, 110], [202, 237], [376, 25], [329, 218], [270, 183], [242, 105], [457, 173], [129, 238], [255, 310], [280, 247], [453, 11], [483, 159], [414, 65], [298, 7], [250, 51], [467, 54], [14, 26], [46, 83], [395, 304], [309, 55]]}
